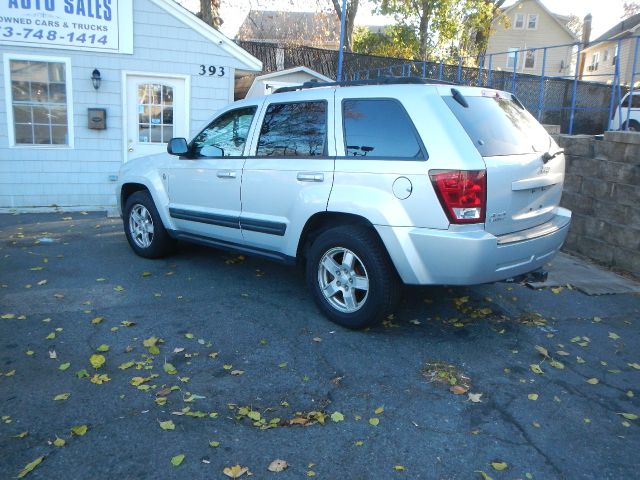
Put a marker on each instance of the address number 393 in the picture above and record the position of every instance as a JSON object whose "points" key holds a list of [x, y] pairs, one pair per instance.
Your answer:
{"points": [[210, 71]]}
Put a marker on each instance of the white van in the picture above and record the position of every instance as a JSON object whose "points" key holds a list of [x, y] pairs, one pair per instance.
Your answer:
{"points": [[621, 113]]}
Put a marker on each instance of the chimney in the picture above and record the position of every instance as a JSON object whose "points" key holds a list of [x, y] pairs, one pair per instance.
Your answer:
{"points": [[586, 29]]}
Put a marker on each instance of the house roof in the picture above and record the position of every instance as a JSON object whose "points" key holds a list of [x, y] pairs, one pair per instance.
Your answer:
{"points": [[560, 19], [248, 61], [623, 29], [306, 28]]}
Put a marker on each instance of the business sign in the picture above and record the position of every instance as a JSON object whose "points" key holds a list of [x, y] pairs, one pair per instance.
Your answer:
{"points": [[97, 25]]}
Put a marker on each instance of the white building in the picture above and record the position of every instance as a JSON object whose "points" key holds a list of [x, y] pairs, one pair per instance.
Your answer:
{"points": [[63, 135], [270, 82]]}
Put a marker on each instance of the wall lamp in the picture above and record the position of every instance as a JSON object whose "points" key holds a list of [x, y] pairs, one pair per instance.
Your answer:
{"points": [[96, 78]]}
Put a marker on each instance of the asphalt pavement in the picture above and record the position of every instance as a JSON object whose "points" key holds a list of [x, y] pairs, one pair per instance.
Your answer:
{"points": [[226, 360]]}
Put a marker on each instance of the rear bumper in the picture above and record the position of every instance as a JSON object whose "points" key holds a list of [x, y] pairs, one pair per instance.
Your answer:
{"points": [[425, 256]]}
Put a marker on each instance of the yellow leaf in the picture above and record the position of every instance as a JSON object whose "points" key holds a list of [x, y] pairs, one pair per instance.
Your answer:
{"points": [[8, 316], [337, 417], [28, 468], [483, 475], [62, 396], [146, 274], [379, 410], [614, 336], [99, 379], [535, 368], [235, 472], [532, 396], [556, 364], [629, 416], [374, 421], [79, 430], [543, 351], [97, 360], [126, 365], [170, 369], [64, 366], [214, 444], [634, 365], [103, 348], [21, 435], [59, 442], [51, 336], [97, 320], [593, 381], [557, 290], [399, 468], [167, 425], [499, 466], [177, 460], [189, 335]]}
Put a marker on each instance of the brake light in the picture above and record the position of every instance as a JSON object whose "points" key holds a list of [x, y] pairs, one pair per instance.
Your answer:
{"points": [[462, 194]]}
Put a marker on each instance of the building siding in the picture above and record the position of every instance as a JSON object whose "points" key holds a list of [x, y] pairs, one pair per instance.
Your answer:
{"points": [[548, 34], [79, 177], [606, 70]]}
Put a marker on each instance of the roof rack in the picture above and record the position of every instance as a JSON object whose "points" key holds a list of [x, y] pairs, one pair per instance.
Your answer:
{"points": [[373, 81]]}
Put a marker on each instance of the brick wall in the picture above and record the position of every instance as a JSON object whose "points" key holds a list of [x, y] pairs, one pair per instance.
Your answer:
{"points": [[602, 188]]}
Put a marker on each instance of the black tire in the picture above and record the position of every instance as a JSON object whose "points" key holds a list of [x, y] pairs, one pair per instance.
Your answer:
{"points": [[148, 245], [371, 261], [634, 126]]}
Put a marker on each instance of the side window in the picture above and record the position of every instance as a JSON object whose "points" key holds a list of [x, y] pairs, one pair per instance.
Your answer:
{"points": [[228, 132], [379, 128], [294, 130]]}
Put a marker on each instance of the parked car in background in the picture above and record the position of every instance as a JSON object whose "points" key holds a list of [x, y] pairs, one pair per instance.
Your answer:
{"points": [[625, 118], [367, 186]]}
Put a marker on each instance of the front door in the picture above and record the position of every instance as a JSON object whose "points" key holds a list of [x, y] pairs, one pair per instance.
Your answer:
{"points": [[204, 186], [155, 112]]}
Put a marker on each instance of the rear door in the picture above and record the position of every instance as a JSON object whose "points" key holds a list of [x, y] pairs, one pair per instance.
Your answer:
{"points": [[523, 186], [289, 177]]}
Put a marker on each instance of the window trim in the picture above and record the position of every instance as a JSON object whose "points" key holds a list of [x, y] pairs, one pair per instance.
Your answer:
{"points": [[515, 21], [423, 150], [325, 147], [537, 17], [246, 143], [11, 134]]}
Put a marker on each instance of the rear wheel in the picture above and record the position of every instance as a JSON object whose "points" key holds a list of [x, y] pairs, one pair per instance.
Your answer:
{"points": [[351, 276], [634, 126], [144, 229]]}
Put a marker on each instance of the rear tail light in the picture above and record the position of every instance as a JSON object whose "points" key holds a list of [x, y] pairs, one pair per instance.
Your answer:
{"points": [[462, 194]]}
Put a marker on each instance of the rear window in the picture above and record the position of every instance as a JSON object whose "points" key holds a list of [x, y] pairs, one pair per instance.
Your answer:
{"points": [[498, 126]]}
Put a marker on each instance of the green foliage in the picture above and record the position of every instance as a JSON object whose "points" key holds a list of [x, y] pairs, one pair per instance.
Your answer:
{"points": [[398, 41]]}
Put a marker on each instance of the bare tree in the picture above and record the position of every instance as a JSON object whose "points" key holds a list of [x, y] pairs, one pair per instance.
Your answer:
{"points": [[210, 13], [352, 10]]}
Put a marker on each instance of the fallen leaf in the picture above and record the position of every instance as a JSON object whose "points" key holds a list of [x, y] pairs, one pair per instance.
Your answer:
{"points": [[535, 368], [178, 350], [97, 360], [169, 368], [42, 282], [51, 336], [317, 339], [278, 466], [483, 475], [235, 472], [97, 320], [79, 430], [64, 366], [282, 365], [458, 390], [532, 396], [556, 364], [53, 355], [237, 373], [119, 288], [629, 416], [337, 417], [125, 365], [580, 360], [378, 410], [475, 397], [214, 444], [146, 274], [614, 336], [499, 466], [28, 468], [399, 468], [62, 396], [99, 379], [374, 421], [102, 348], [59, 442], [634, 365], [543, 351], [167, 425], [227, 367], [593, 381], [21, 435], [177, 460], [563, 353]]}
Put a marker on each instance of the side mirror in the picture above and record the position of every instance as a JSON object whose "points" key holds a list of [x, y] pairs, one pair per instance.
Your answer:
{"points": [[177, 146]]}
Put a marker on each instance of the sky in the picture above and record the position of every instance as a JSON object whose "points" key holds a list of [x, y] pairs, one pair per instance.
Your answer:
{"points": [[606, 13]]}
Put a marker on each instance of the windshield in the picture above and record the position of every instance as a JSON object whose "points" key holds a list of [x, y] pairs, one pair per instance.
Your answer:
{"points": [[498, 126]]}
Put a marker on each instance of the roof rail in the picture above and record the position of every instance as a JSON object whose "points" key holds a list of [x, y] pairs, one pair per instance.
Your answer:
{"points": [[373, 81]]}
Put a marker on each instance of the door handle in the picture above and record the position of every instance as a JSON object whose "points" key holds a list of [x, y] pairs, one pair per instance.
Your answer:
{"points": [[226, 174], [311, 177]]}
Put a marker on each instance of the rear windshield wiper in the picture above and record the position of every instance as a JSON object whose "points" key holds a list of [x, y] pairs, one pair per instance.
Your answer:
{"points": [[548, 156], [458, 97]]}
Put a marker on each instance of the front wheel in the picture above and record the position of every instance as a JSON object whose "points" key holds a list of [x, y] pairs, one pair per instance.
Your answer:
{"points": [[351, 276], [143, 227]]}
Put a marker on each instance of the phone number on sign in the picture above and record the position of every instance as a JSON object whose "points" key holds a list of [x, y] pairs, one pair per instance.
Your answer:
{"points": [[53, 36]]}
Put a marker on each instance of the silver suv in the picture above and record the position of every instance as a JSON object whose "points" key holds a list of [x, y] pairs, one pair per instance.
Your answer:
{"points": [[366, 185]]}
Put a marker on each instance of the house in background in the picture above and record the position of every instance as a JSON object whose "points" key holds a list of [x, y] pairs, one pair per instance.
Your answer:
{"points": [[601, 55], [83, 94], [529, 24], [267, 84], [311, 29]]}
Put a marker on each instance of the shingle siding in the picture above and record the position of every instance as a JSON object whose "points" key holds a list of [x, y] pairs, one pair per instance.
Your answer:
{"points": [[32, 177]]}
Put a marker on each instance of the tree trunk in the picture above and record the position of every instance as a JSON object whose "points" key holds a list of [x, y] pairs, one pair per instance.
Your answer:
{"points": [[352, 10], [425, 18], [210, 13]]}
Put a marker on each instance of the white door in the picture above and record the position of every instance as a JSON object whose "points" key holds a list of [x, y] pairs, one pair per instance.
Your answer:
{"points": [[155, 112]]}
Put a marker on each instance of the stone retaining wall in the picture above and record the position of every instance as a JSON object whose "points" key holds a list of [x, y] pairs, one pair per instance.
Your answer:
{"points": [[602, 189]]}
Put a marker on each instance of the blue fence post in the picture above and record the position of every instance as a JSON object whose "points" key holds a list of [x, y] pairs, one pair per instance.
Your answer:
{"points": [[460, 70], [575, 90], [633, 79], [515, 71], [440, 71], [489, 76], [541, 95], [480, 65], [615, 84], [424, 69]]}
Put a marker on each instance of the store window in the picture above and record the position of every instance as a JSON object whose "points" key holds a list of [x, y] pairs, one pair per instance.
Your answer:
{"points": [[39, 101]]}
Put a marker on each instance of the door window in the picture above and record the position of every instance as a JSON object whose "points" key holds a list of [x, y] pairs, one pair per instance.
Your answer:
{"points": [[228, 132], [294, 130], [379, 128], [155, 113]]}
